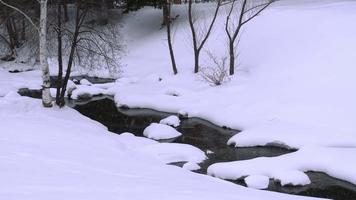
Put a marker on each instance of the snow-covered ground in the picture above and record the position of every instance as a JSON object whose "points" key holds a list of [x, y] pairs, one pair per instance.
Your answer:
{"points": [[60, 154], [294, 86], [294, 79]]}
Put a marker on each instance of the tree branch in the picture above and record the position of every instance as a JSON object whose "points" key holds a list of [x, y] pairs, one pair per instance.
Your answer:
{"points": [[22, 13]]}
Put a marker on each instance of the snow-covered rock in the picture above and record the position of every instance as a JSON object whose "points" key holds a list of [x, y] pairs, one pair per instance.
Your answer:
{"points": [[257, 182], [171, 121], [160, 132]]}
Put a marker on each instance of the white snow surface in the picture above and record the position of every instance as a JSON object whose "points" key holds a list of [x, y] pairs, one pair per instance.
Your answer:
{"points": [[191, 166], [160, 132], [293, 87], [14, 81], [59, 154], [171, 152], [293, 84], [85, 82], [289, 169], [257, 181], [171, 121]]}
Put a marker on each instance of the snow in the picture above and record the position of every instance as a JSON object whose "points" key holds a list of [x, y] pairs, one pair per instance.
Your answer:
{"points": [[160, 132], [191, 166], [133, 142], [292, 86], [257, 182], [85, 82], [289, 169], [172, 152], [60, 154], [14, 81], [171, 121], [292, 178]]}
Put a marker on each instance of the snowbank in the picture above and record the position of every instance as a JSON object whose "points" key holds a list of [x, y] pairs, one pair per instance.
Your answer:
{"points": [[59, 154], [171, 152], [14, 81], [289, 169]]}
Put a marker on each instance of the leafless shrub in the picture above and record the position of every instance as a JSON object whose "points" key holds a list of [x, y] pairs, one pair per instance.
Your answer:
{"points": [[218, 74], [100, 48]]}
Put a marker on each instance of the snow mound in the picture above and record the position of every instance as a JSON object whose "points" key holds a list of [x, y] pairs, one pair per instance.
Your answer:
{"points": [[289, 135], [160, 132], [171, 121], [87, 91], [85, 82], [172, 152], [293, 178], [289, 169], [191, 166], [257, 182]]}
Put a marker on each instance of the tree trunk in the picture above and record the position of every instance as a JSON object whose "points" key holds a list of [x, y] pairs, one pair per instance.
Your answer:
{"points": [[46, 95], [171, 51], [164, 12], [196, 61], [194, 37], [232, 57], [65, 9], [60, 59], [78, 25]]}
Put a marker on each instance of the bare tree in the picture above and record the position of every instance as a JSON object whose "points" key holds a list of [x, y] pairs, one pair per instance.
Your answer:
{"points": [[200, 37], [87, 42], [167, 8], [244, 11], [42, 31]]}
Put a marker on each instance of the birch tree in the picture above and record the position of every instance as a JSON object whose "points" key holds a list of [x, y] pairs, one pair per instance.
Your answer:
{"points": [[42, 32]]}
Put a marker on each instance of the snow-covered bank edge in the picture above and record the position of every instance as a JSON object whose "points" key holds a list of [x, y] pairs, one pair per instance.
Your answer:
{"points": [[61, 154]]}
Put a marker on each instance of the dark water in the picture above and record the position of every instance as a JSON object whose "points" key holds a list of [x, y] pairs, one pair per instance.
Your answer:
{"points": [[209, 138], [76, 79]]}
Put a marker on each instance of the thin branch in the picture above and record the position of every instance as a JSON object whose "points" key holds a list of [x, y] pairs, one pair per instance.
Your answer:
{"points": [[24, 14], [256, 14]]}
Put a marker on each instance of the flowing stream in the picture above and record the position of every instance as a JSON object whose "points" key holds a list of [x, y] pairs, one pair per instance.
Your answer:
{"points": [[206, 136]]}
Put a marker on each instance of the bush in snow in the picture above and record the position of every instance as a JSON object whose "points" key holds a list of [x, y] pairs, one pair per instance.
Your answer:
{"points": [[217, 74]]}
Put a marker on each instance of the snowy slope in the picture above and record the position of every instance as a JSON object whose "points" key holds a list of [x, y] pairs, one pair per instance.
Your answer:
{"points": [[59, 154], [294, 79]]}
